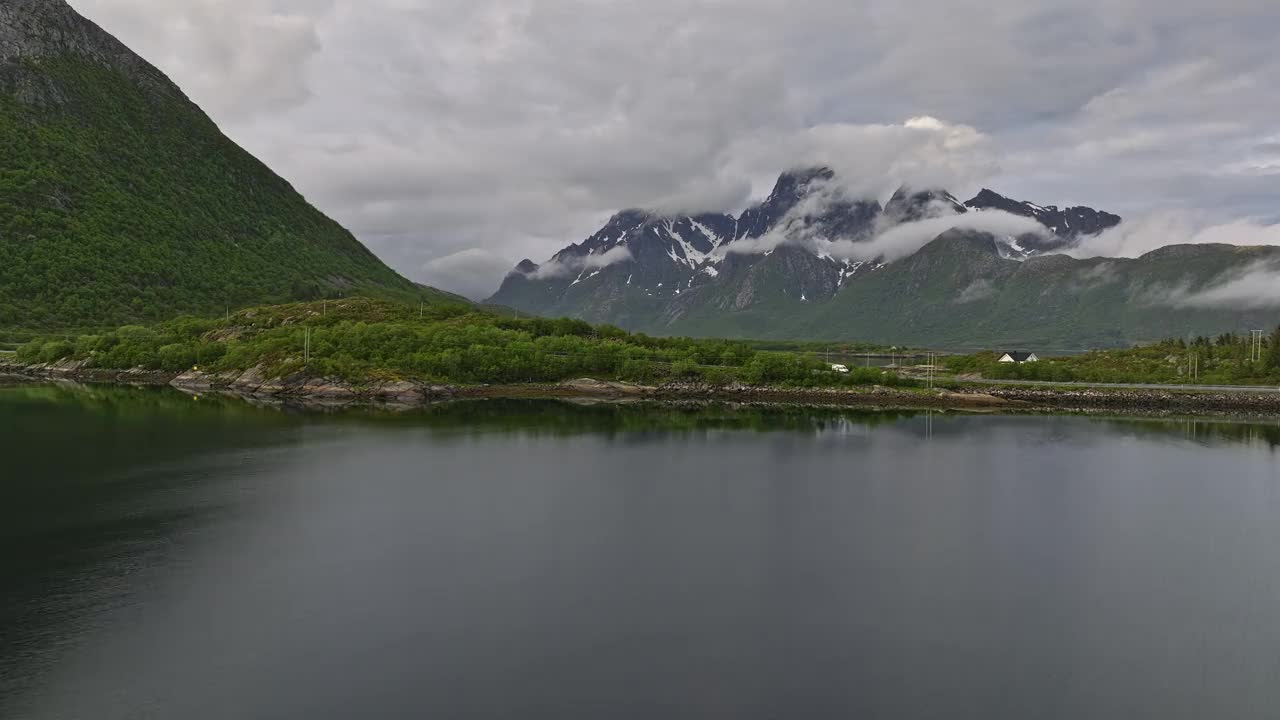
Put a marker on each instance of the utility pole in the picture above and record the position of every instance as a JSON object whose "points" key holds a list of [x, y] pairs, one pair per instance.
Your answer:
{"points": [[1255, 350]]}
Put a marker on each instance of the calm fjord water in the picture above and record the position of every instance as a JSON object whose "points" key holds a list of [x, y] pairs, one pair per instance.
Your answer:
{"points": [[176, 559]]}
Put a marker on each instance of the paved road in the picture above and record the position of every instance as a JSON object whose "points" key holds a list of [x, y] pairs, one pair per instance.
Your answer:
{"points": [[1134, 386]]}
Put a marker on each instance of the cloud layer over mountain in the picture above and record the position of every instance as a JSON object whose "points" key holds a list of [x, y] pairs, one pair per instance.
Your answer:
{"points": [[1255, 288], [1156, 230], [457, 136]]}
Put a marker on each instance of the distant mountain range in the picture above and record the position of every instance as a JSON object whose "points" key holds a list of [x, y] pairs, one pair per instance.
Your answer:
{"points": [[121, 201], [809, 262]]}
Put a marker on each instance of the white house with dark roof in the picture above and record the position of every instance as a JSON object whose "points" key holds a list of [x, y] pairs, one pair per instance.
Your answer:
{"points": [[1019, 357]]}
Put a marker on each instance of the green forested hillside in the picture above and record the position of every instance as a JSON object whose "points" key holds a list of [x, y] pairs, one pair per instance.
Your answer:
{"points": [[120, 201], [958, 293]]}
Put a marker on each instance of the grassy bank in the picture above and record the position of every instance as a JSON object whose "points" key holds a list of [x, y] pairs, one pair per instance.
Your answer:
{"points": [[359, 339]]}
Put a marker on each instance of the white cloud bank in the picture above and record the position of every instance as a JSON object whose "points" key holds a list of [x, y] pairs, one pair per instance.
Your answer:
{"points": [[905, 239], [1134, 238], [1256, 287], [869, 160], [466, 272], [889, 245], [560, 267]]}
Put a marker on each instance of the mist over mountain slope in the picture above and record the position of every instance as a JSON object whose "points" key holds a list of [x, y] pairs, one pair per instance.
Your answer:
{"points": [[812, 262], [121, 201]]}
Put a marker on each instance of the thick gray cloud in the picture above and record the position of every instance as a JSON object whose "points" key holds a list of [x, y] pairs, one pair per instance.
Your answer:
{"points": [[1158, 229], [457, 136], [1256, 287]]}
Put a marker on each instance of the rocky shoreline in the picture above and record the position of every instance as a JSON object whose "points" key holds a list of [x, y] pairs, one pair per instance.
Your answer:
{"points": [[330, 392]]}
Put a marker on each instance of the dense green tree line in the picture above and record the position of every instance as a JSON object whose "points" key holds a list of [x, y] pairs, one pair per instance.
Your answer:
{"points": [[360, 339]]}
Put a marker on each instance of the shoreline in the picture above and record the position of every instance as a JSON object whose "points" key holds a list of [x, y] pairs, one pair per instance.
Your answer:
{"points": [[334, 393]]}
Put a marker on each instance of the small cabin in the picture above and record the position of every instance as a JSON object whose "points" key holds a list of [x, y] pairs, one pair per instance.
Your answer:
{"points": [[1019, 357]]}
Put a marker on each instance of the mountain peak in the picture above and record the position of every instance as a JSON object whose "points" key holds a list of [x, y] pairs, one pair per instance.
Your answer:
{"points": [[990, 200], [987, 197], [1068, 224], [793, 184], [35, 28], [630, 216], [32, 29], [807, 174], [911, 205]]}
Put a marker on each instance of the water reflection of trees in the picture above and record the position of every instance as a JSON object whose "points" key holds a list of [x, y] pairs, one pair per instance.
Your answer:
{"points": [[174, 415], [570, 418], [1208, 431]]}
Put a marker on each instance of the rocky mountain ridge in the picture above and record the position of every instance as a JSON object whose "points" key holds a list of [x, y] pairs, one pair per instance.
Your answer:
{"points": [[809, 262]]}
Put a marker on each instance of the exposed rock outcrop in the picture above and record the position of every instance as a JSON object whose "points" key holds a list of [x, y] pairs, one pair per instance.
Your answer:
{"points": [[33, 30]]}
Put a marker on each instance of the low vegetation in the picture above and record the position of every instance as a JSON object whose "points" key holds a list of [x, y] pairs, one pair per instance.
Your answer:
{"points": [[1227, 359], [360, 339]]}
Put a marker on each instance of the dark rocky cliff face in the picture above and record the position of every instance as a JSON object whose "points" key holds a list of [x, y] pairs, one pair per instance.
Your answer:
{"points": [[1068, 225], [34, 30]]}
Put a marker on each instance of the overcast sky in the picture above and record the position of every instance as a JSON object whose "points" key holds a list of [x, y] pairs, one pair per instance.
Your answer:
{"points": [[455, 137]]}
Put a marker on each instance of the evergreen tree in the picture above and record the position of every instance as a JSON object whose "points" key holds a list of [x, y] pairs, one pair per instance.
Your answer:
{"points": [[1272, 358]]}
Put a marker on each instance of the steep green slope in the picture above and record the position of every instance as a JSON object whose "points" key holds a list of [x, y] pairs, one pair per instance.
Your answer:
{"points": [[121, 201], [959, 293]]}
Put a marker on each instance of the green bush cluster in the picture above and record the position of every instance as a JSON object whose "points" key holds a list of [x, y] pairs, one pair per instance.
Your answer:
{"points": [[360, 339]]}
